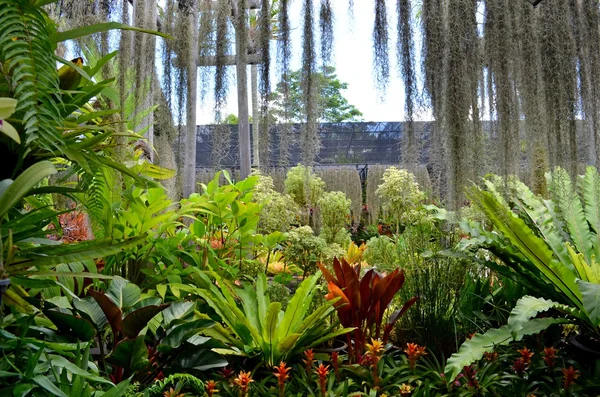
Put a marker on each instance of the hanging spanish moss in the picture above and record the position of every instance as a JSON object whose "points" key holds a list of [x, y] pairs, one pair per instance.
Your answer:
{"points": [[326, 28], [284, 54], [206, 44], [222, 44], [406, 55], [380, 46], [221, 144], [309, 139], [265, 86]]}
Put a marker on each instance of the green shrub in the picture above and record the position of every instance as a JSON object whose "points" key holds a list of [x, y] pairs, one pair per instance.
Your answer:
{"points": [[334, 211], [381, 253], [304, 186], [401, 197], [304, 249], [278, 292], [279, 211]]}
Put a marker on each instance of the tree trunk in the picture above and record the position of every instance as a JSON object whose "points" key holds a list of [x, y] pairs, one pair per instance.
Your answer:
{"points": [[255, 116], [189, 171]]}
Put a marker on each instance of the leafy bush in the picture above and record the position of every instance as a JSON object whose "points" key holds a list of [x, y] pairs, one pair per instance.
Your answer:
{"points": [[304, 249], [279, 211], [304, 186], [334, 213], [401, 196], [381, 253]]}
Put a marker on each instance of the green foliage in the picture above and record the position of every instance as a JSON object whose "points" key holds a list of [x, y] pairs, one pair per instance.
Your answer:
{"points": [[334, 213], [278, 292], [259, 327], [304, 249], [381, 253], [331, 105], [304, 186], [401, 197], [278, 211]]}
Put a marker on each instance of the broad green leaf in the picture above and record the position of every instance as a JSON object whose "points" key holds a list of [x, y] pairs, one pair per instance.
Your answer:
{"points": [[61, 362], [7, 107], [7, 129], [123, 293], [131, 354], [119, 390], [47, 385], [473, 349], [72, 325], [24, 182], [180, 333], [270, 338], [177, 311], [90, 309], [199, 228], [526, 308], [591, 300]]}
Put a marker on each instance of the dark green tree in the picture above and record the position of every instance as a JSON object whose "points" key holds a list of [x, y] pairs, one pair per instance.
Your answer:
{"points": [[332, 106]]}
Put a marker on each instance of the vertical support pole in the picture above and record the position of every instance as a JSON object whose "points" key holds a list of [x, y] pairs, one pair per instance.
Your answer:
{"points": [[189, 177], [241, 33]]}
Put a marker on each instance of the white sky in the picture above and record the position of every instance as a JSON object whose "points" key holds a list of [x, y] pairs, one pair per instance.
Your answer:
{"points": [[352, 57]]}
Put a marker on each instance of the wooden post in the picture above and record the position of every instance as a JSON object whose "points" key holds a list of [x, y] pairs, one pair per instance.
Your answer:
{"points": [[242, 89]]}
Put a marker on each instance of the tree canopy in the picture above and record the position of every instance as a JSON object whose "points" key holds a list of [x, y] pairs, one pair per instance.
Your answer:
{"points": [[332, 105]]}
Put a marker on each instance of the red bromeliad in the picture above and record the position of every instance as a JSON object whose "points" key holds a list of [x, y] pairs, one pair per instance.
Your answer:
{"points": [[310, 358], [211, 388], [322, 372], [526, 355], [549, 356], [569, 376], [281, 373], [414, 353], [362, 302], [335, 361], [242, 381]]}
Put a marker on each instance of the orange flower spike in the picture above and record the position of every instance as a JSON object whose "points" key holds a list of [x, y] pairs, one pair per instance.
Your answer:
{"points": [[281, 373], [172, 393], [335, 361], [414, 353], [322, 371], [569, 376], [310, 358], [211, 388], [375, 348], [526, 355], [549, 356], [242, 381]]}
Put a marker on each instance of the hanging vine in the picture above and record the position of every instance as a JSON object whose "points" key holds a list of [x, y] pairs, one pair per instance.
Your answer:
{"points": [[265, 86], [309, 139], [380, 46], [326, 28]]}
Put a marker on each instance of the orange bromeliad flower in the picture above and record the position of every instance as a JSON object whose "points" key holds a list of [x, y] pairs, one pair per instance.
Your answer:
{"points": [[335, 360], [526, 355], [414, 352], [569, 376], [172, 393], [211, 388], [374, 351], [550, 356], [322, 372], [493, 356], [242, 381], [310, 358], [281, 373]]}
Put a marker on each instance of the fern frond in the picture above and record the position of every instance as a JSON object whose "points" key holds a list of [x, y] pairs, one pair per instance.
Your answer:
{"points": [[26, 52]]}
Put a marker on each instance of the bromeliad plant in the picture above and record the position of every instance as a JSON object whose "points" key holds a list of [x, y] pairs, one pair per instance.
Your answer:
{"points": [[258, 327], [362, 302], [549, 246]]}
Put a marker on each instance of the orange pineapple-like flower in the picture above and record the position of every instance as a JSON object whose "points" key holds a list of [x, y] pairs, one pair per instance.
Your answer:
{"points": [[375, 348], [414, 353], [526, 355], [308, 361], [569, 376], [242, 381], [549, 356], [374, 351], [335, 361], [281, 373], [322, 371], [211, 388], [406, 390]]}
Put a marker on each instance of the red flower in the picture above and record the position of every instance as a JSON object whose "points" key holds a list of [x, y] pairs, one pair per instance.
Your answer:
{"points": [[414, 352], [211, 388], [322, 372], [335, 361], [569, 376], [242, 381], [281, 373], [493, 356], [471, 376], [549, 356], [526, 355], [310, 358], [519, 366]]}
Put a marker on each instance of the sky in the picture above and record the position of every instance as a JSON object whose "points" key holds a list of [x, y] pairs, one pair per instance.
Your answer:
{"points": [[352, 58]]}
